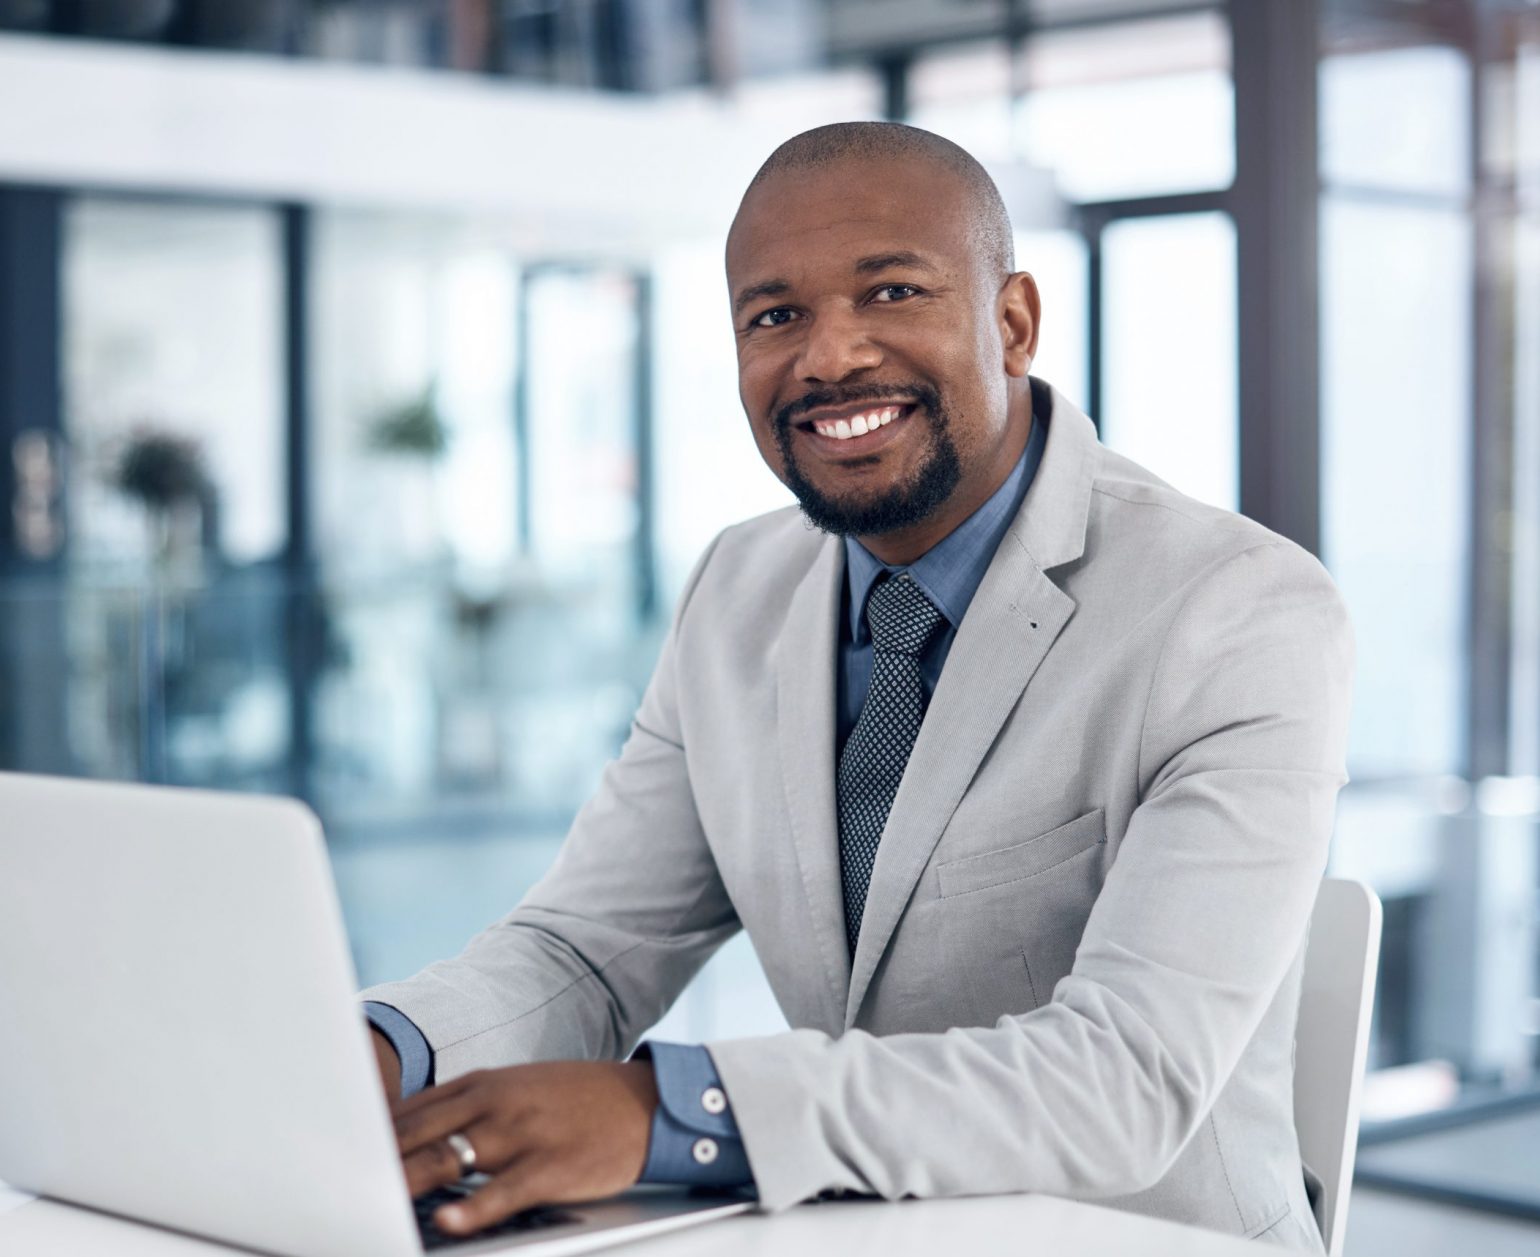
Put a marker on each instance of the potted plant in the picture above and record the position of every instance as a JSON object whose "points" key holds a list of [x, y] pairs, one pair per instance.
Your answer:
{"points": [[408, 441], [166, 474], [415, 429]]}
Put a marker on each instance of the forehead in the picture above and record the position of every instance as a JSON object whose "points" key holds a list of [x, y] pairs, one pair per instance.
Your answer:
{"points": [[809, 220]]}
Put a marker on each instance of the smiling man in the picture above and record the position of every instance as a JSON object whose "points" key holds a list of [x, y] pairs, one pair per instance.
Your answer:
{"points": [[1018, 769]]}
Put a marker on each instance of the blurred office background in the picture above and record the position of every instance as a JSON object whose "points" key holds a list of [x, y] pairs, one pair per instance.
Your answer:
{"points": [[367, 390]]}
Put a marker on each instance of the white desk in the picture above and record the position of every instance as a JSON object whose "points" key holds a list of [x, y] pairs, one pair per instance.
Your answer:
{"points": [[981, 1227]]}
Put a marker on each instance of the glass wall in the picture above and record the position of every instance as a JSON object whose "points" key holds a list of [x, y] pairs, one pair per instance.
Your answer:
{"points": [[481, 536], [1523, 91], [1116, 110], [172, 388], [415, 344], [1059, 260], [1429, 525], [173, 344], [416, 499], [1396, 340], [1134, 109], [1397, 304], [1169, 397], [1120, 116]]}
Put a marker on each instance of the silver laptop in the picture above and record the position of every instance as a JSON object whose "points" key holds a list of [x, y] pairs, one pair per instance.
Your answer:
{"points": [[181, 1042]]}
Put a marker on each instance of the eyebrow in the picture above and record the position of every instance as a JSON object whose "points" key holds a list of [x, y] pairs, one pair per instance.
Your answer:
{"points": [[865, 266], [889, 261], [770, 288]]}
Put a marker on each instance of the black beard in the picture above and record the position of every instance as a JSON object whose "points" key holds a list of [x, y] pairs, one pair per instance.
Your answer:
{"points": [[901, 506]]}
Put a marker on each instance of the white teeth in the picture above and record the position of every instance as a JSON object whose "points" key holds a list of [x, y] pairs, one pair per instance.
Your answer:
{"points": [[859, 425]]}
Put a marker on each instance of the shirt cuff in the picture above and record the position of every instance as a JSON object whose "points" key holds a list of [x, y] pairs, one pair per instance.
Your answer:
{"points": [[410, 1044], [695, 1138]]}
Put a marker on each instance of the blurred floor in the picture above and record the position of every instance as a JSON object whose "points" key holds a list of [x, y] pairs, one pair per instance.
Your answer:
{"points": [[1497, 1155], [1384, 1224]]}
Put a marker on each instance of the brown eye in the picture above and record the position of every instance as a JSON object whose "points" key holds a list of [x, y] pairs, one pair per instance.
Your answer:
{"points": [[894, 292], [775, 318]]}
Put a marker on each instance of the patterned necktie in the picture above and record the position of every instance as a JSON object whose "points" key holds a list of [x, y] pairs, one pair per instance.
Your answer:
{"points": [[902, 620]]}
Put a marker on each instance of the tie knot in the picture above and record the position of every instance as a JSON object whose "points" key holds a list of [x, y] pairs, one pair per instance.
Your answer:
{"points": [[901, 617]]}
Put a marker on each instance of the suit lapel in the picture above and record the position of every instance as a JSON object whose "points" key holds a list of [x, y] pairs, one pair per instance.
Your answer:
{"points": [[1011, 624], [806, 676]]}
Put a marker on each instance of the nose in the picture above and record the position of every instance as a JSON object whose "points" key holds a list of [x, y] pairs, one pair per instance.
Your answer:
{"points": [[836, 347]]}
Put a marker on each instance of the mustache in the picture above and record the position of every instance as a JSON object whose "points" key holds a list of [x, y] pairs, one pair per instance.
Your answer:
{"points": [[921, 394]]}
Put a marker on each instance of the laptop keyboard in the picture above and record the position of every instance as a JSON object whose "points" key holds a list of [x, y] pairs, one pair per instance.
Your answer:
{"points": [[433, 1238]]}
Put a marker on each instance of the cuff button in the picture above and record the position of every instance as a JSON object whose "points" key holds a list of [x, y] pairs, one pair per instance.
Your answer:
{"points": [[713, 1101], [704, 1151]]}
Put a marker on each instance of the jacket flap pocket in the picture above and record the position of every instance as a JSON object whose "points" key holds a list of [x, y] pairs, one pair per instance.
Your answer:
{"points": [[1024, 859]]}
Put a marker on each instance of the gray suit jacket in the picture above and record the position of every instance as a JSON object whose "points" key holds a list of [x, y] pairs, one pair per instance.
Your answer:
{"points": [[1079, 967]]}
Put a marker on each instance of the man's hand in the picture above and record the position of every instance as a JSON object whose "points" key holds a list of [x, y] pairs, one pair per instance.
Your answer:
{"points": [[390, 1065], [553, 1133]]}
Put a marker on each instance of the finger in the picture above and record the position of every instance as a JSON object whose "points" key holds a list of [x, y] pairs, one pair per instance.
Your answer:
{"points": [[515, 1189], [436, 1164], [433, 1165], [430, 1096], [430, 1124]]}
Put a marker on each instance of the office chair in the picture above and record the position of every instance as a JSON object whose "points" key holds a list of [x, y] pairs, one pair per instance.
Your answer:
{"points": [[1331, 1042]]}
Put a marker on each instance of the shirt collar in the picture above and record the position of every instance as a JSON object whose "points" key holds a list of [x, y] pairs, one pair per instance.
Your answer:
{"points": [[951, 571]]}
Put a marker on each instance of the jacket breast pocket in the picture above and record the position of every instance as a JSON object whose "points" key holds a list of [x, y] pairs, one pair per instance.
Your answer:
{"points": [[1023, 859], [1010, 919]]}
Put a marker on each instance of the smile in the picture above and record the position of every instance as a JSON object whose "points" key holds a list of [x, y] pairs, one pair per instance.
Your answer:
{"points": [[857, 425], [853, 431]]}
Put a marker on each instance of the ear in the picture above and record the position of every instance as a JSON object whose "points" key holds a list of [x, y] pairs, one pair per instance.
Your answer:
{"points": [[1019, 310]]}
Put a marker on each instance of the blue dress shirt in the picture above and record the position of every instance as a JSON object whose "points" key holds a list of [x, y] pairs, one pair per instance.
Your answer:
{"points": [[694, 1138], [416, 1056], [950, 573]]}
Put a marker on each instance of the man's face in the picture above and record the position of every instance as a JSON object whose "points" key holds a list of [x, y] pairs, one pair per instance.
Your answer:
{"points": [[870, 355]]}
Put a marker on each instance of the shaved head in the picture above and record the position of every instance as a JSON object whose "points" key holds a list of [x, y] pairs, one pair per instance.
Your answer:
{"points": [[843, 142]]}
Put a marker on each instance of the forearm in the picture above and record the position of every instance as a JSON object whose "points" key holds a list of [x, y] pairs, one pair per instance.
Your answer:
{"points": [[1076, 1103], [536, 988]]}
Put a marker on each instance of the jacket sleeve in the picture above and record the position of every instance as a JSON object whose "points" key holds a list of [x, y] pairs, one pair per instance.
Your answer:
{"points": [[603, 944], [1200, 916]]}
